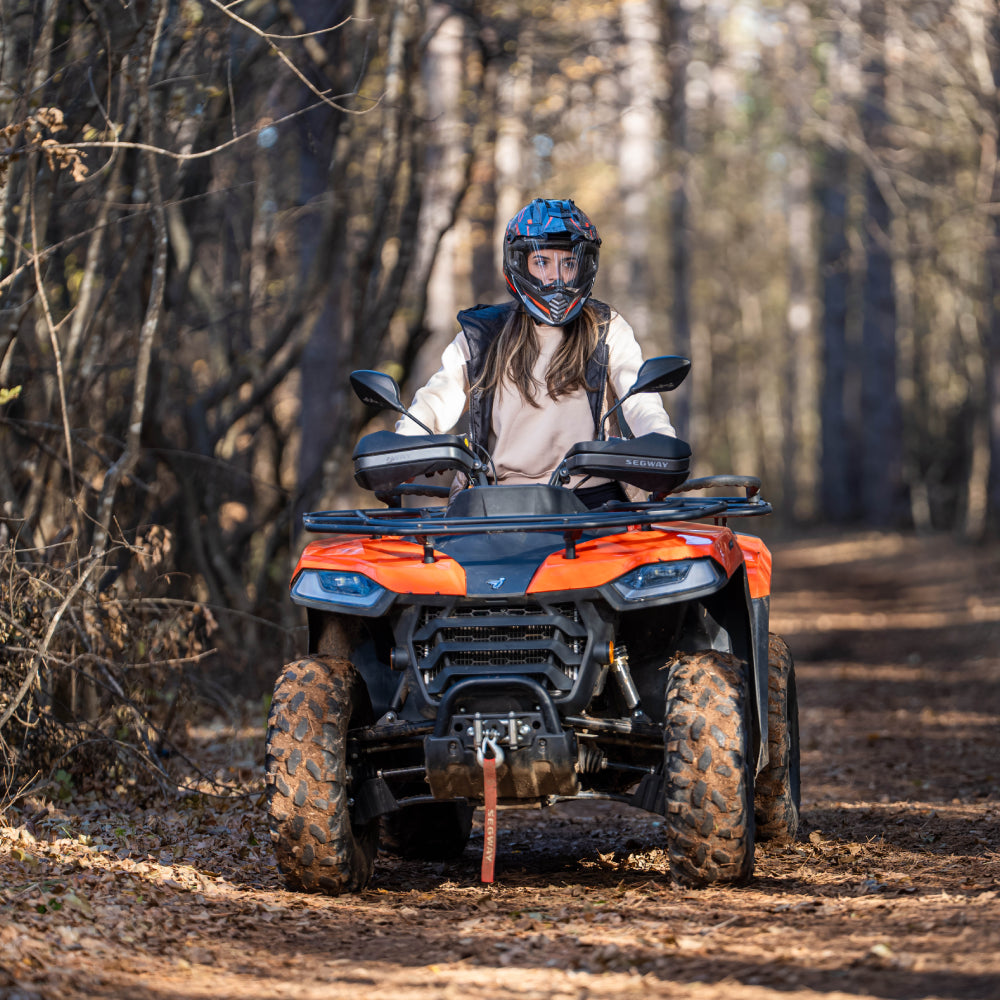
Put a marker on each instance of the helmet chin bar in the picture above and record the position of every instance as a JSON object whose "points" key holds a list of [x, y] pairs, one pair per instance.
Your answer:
{"points": [[560, 305]]}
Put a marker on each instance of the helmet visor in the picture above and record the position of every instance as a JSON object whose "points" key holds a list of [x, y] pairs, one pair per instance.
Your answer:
{"points": [[552, 276], [550, 267]]}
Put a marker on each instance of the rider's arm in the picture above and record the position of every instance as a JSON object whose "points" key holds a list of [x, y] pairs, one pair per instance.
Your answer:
{"points": [[442, 401], [643, 412]]}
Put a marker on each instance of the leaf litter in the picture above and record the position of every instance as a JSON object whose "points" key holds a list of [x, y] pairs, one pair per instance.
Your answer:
{"points": [[892, 890]]}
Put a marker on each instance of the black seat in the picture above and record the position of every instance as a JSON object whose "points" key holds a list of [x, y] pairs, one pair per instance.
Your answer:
{"points": [[489, 501]]}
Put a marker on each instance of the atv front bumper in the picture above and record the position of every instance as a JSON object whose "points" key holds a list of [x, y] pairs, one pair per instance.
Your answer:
{"points": [[514, 717]]}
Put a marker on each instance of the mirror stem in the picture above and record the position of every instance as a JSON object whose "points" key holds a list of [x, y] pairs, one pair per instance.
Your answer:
{"points": [[601, 435], [419, 423]]}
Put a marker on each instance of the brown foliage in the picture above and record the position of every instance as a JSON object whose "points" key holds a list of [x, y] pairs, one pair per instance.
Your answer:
{"points": [[34, 134], [90, 674]]}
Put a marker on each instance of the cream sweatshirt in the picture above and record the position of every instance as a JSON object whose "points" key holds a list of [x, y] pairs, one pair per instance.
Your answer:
{"points": [[528, 442]]}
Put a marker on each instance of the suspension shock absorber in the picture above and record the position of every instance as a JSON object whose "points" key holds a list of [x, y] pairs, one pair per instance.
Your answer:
{"points": [[622, 674]]}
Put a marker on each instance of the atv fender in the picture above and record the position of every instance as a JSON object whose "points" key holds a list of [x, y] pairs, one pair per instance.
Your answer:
{"points": [[738, 624]]}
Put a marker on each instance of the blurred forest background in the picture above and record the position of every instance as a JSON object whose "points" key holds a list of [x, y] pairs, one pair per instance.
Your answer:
{"points": [[211, 212]]}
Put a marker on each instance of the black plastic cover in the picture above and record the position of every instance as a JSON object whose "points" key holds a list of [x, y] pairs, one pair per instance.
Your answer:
{"points": [[494, 501], [654, 462], [385, 459]]}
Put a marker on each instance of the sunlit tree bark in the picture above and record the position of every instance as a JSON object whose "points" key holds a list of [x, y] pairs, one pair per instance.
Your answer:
{"points": [[438, 267], [678, 48], [637, 165]]}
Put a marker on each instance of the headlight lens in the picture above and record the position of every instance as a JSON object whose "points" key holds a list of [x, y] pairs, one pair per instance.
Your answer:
{"points": [[315, 586], [661, 579]]}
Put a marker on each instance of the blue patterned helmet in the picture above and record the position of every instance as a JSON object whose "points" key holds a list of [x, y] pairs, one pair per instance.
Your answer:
{"points": [[550, 257]]}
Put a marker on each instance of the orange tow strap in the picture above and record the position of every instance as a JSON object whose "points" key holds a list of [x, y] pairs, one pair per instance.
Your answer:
{"points": [[490, 820]]}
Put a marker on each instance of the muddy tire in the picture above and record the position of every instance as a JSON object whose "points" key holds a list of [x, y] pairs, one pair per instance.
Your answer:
{"points": [[428, 831], [777, 796], [709, 818], [318, 848]]}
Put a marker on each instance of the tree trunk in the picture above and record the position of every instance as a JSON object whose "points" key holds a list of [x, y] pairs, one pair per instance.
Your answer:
{"points": [[129, 458], [510, 159], [836, 488], [322, 395], [992, 296], [11, 75], [632, 278], [881, 450], [800, 474], [439, 256], [839, 431], [678, 47], [993, 371]]}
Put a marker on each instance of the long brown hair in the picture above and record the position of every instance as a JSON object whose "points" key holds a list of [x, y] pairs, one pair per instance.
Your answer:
{"points": [[512, 356]]}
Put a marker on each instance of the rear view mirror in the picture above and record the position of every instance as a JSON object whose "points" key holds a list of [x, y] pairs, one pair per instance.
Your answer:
{"points": [[377, 389], [655, 375], [660, 375], [381, 391]]}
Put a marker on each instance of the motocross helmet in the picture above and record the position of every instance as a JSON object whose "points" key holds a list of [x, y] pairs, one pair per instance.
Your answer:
{"points": [[553, 287]]}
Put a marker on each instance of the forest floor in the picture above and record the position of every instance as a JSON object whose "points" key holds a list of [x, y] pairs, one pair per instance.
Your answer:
{"points": [[892, 891]]}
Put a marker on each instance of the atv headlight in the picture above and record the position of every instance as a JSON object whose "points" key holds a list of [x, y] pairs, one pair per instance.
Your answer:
{"points": [[322, 586], [662, 579]]}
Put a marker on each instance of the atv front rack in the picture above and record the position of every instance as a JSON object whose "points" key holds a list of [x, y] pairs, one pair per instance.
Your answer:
{"points": [[425, 522]]}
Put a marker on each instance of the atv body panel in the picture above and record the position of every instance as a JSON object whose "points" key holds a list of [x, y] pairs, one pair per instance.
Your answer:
{"points": [[522, 628]]}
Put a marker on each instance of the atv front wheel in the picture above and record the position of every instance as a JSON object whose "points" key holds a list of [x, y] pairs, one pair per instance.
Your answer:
{"points": [[428, 831], [709, 782], [777, 799], [318, 847]]}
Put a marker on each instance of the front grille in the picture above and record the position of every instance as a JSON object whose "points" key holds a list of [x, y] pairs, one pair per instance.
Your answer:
{"points": [[545, 641], [498, 635], [491, 657]]}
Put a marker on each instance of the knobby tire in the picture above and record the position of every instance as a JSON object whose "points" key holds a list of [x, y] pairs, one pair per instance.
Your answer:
{"points": [[777, 798], [709, 816], [318, 847]]}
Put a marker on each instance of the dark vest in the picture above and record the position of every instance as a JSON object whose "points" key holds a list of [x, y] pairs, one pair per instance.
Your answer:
{"points": [[482, 324]]}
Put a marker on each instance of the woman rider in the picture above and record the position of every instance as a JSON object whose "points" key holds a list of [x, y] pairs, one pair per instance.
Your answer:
{"points": [[538, 374]]}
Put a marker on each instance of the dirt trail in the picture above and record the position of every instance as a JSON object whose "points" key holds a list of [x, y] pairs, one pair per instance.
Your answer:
{"points": [[892, 891]]}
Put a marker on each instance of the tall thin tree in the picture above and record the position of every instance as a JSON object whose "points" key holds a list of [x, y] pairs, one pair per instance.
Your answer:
{"points": [[880, 419]]}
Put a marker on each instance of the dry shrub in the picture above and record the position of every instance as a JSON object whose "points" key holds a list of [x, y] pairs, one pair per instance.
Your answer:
{"points": [[96, 665]]}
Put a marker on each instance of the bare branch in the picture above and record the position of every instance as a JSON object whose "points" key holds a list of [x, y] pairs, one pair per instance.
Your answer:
{"points": [[32, 673], [58, 148], [332, 102], [287, 38], [56, 352]]}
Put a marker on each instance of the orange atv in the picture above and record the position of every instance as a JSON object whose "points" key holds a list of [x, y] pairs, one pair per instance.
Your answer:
{"points": [[514, 647]]}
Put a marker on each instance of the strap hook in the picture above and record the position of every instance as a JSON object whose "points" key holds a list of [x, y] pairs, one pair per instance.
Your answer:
{"points": [[496, 751]]}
